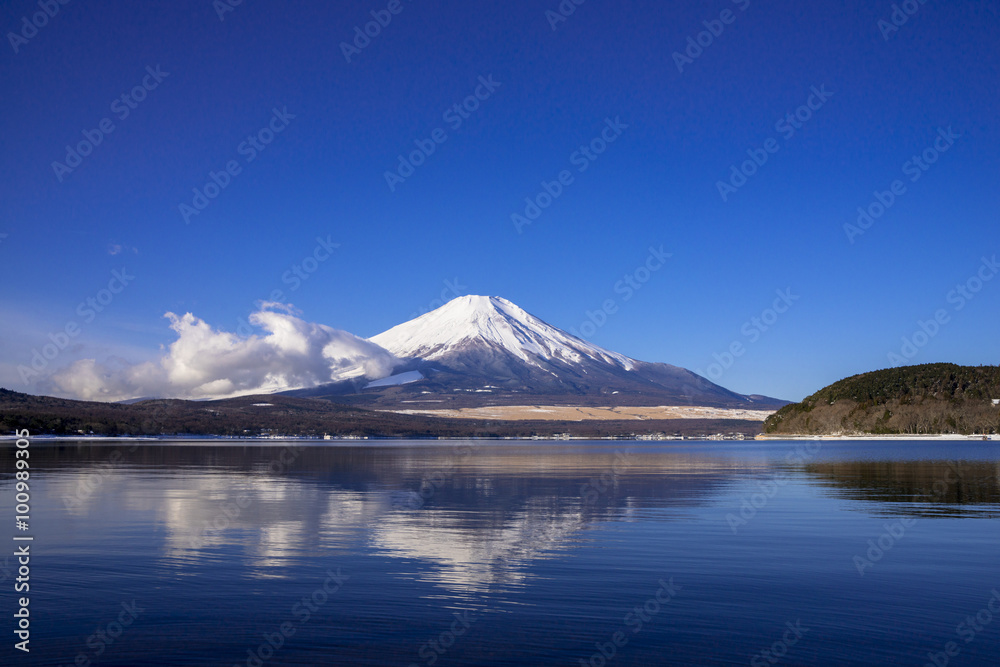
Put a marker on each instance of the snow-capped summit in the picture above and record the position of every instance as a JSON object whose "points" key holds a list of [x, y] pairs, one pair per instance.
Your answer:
{"points": [[487, 346], [486, 350], [470, 322]]}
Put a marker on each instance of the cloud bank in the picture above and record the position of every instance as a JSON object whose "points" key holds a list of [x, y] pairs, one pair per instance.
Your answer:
{"points": [[207, 363]]}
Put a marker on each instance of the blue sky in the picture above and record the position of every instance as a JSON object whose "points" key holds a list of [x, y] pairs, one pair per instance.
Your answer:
{"points": [[888, 95]]}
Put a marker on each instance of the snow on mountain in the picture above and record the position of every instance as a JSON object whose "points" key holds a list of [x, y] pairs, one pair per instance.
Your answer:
{"points": [[470, 322], [485, 348]]}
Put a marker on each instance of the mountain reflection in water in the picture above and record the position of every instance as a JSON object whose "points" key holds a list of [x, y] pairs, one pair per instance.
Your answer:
{"points": [[542, 549]]}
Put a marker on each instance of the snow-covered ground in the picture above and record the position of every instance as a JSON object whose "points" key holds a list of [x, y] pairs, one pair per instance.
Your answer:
{"points": [[580, 413]]}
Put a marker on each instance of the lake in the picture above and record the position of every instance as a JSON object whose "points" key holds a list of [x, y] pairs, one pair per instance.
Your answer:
{"points": [[508, 553]]}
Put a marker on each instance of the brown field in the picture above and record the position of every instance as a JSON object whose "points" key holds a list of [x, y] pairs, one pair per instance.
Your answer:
{"points": [[584, 413]]}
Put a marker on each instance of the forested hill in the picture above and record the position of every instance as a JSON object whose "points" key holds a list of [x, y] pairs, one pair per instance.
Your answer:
{"points": [[929, 398]]}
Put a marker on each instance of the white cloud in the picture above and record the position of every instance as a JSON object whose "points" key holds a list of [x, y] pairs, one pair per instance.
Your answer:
{"points": [[207, 363]]}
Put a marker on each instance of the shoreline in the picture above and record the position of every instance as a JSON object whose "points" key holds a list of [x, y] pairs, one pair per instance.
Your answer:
{"points": [[922, 436], [368, 439]]}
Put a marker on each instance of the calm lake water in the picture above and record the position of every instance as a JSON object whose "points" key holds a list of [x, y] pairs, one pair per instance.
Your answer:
{"points": [[501, 553]]}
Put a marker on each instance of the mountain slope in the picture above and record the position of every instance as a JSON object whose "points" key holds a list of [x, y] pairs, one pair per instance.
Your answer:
{"points": [[478, 349]]}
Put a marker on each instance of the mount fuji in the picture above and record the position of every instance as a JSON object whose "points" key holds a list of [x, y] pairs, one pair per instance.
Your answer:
{"points": [[485, 350]]}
